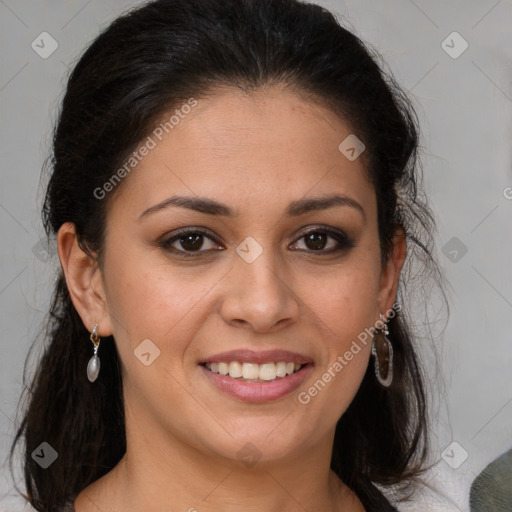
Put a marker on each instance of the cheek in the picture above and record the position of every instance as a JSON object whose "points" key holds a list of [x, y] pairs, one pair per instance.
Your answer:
{"points": [[344, 310], [344, 301], [339, 376], [150, 301]]}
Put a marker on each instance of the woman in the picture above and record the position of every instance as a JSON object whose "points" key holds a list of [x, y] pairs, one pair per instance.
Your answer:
{"points": [[234, 193]]}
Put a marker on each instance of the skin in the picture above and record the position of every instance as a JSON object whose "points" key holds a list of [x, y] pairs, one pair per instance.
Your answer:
{"points": [[256, 153]]}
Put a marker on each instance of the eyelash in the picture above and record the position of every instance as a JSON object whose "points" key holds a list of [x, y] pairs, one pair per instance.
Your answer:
{"points": [[343, 240]]}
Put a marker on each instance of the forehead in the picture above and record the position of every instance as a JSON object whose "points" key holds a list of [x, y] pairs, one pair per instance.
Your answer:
{"points": [[248, 148]]}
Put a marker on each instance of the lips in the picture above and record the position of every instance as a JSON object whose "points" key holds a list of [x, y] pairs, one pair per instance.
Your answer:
{"points": [[256, 376]]}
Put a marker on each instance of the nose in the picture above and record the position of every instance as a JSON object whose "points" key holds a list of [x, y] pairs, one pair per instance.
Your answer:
{"points": [[259, 295]]}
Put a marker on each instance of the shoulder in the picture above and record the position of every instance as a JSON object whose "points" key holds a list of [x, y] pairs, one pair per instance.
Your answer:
{"points": [[425, 497], [492, 489]]}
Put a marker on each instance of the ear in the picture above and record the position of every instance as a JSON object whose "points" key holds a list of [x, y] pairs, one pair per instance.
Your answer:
{"points": [[391, 271], [84, 281]]}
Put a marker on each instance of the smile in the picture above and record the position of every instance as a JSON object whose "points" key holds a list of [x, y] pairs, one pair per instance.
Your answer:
{"points": [[256, 376]]}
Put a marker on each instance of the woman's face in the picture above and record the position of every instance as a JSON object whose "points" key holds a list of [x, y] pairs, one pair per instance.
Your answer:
{"points": [[270, 279]]}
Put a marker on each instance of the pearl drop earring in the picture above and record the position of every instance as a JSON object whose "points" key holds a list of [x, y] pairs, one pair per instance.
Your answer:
{"points": [[93, 367]]}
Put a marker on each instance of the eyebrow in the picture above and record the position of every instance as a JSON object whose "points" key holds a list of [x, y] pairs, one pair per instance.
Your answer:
{"points": [[295, 208]]}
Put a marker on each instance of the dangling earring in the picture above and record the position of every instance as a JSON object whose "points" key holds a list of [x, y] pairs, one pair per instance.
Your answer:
{"points": [[384, 364], [93, 367]]}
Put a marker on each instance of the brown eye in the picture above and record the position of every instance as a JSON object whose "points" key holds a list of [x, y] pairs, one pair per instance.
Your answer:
{"points": [[192, 242], [316, 241], [188, 242]]}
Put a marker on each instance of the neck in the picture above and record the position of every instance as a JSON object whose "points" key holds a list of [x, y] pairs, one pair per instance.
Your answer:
{"points": [[162, 470], [158, 471]]}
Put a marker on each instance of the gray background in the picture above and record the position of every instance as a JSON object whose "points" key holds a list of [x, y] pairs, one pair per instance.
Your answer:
{"points": [[465, 107]]}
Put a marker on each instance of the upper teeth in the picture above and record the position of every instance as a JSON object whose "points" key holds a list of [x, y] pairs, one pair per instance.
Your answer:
{"points": [[252, 371]]}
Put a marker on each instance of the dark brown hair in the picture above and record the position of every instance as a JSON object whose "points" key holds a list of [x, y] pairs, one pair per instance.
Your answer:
{"points": [[143, 65]]}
